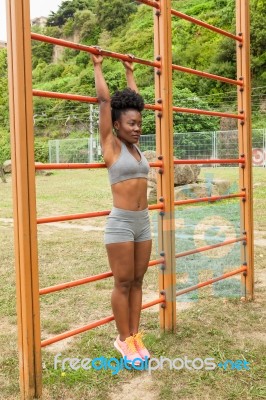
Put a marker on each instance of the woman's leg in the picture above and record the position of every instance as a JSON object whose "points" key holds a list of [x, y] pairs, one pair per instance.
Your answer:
{"points": [[121, 260], [142, 252]]}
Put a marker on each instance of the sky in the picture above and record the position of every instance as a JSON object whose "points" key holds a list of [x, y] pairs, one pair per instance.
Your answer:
{"points": [[38, 8]]}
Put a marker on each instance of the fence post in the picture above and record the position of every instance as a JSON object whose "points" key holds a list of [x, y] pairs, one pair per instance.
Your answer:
{"points": [[24, 197], [57, 151], [245, 141], [164, 149]]}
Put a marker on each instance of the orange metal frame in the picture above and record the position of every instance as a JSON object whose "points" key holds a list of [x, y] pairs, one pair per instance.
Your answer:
{"points": [[23, 176]]}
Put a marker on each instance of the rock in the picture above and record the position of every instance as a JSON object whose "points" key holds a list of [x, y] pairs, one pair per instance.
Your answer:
{"points": [[150, 155], [152, 195], [184, 174], [153, 172], [222, 186], [195, 190], [7, 166], [42, 171], [152, 176]]}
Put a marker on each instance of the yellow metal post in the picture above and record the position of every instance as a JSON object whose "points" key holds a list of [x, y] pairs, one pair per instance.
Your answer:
{"points": [[164, 145], [24, 198], [245, 141]]}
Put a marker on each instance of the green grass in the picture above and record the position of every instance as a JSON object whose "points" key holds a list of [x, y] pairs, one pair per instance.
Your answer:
{"points": [[210, 323]]}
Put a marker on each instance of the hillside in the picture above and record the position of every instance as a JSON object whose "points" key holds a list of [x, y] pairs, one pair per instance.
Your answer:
{"points": [[127, 27]]}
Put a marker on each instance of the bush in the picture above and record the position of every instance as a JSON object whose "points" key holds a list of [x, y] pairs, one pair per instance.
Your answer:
{"points": [[41, 151], [5, 150]]}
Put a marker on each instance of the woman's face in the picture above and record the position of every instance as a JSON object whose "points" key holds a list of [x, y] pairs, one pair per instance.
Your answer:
{"points": [[129, 125]]}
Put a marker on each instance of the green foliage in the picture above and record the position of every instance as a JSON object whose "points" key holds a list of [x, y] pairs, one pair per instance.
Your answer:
{"points": [[4, 114], [67, 10], [114, 14], [86, 23], [41, 150], [52, 71], [258, 40], [82, 59], [5, 152], [43, 52], [126, 27], [68, 28]]}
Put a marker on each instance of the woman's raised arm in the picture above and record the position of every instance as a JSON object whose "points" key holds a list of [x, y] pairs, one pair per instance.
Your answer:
{"points": [[130, 75], [103, 96]]}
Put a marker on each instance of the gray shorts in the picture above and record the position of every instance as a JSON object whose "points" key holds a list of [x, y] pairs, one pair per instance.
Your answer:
{"points": [[127, 226]]}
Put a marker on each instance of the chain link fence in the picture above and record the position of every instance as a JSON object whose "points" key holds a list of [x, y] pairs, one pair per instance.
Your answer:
{"points": [[190, 145]]}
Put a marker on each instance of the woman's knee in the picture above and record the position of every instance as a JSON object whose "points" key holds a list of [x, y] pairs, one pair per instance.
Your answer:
{"points": [[138, 281], [123, 286]]}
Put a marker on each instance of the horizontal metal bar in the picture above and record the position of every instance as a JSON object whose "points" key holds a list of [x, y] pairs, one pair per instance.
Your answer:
{"points": [[205, 25], [88, 99], [70, 217], [82, 165], [210, 199], [92, 50], [92, 325], [207, 112], [49, 166], [69, 166], [68, 285], [64, 96], [212, 161], [207, 75], [104, 275], [76, 331], [81, 98], [150, 3], [211, 281], [153, 302], [212, 246], [150, 304]]}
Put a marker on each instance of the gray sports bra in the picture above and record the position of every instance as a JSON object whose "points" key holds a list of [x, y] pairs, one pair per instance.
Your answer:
{"points": [[127, 167]]}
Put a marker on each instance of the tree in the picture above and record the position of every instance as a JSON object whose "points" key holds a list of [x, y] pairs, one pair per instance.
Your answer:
{"points": [[67, 11], [41, 51], [85, 22], [112, 14]]}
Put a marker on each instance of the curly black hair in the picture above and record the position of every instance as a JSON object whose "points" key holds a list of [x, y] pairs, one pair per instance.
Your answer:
{"points": [[124, 100]]}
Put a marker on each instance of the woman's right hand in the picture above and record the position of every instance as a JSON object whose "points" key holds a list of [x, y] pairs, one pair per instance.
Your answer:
{"points": [[97, 58]]}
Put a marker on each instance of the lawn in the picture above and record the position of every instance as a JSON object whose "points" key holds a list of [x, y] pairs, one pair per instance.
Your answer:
{"points": [[211, 323]]}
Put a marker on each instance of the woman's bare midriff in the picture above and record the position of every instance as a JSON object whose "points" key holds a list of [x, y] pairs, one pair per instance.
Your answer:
{"points": [[130, 194]]}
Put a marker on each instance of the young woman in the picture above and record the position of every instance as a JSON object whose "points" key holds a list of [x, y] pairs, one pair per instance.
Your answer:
{"points": [[127, 234]]}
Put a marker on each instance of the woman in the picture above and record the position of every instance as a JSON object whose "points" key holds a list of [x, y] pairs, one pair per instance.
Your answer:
{"points": [[127, 234]]}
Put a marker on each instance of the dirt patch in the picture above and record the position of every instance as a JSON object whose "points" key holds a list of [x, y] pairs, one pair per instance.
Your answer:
{"points": [[141, 387], [260, 242], [260, 278]]}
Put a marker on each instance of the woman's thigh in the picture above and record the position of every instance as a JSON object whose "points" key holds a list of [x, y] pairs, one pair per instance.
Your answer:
{"points": [[121, 260], [142, 253]]}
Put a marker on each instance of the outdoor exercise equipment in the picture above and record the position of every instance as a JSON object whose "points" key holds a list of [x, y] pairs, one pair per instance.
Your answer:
{"points": [[23, 173]]}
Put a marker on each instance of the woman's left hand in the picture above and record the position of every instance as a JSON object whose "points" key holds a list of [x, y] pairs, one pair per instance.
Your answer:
{"points": [[129, 64]]}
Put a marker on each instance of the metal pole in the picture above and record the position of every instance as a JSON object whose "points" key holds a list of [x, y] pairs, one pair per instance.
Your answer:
{"points": [[24, 197], [91, 132], [164, 146], [57, 151], [245, 141]]}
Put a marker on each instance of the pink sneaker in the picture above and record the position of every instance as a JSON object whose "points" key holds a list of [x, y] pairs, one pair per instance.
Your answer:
{"points": [[141, 349], [127, 349]]}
